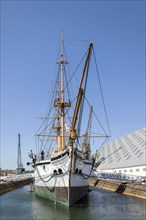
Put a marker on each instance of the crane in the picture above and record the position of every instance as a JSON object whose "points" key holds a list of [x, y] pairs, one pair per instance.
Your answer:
{"points": [[20, 168], [86, 141]]}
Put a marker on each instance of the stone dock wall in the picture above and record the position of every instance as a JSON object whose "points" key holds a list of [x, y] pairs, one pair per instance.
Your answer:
{"points": [[134, 189], [11, 185], [122, 187]]}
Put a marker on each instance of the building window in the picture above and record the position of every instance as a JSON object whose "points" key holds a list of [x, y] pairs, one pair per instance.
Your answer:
{"points": [[137, 170], [131, 170], [119, 171], [125, 171], [144, 169]]}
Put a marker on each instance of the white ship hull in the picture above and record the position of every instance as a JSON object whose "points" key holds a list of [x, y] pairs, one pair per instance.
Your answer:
{"points": [[54, 179]]}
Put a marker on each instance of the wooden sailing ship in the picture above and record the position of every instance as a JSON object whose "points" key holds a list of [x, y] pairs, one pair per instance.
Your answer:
{"points": [[62, 170]]}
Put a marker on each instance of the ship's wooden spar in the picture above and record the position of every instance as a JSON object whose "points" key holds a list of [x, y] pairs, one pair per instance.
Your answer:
{"points": [[80, 136], [73, 135]]}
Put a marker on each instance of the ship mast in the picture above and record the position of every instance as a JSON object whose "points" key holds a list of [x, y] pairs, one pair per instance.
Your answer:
{"points": [[60, 103], [62, 63]]}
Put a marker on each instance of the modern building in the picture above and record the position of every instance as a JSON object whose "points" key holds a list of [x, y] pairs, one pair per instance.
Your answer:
{"points": [[126, 155]]}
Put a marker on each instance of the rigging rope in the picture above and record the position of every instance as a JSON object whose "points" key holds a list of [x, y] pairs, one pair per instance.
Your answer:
{"points": [[101, 92], [56, 93], [75, 70]]}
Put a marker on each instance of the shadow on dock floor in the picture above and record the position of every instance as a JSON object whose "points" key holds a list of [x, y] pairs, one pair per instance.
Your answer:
{"points": [[121, 188]]}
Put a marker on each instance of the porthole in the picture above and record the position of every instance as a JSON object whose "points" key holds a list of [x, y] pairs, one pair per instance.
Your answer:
{"points": [[80, 171], [60, 171], [55, 172], [76, 170]]}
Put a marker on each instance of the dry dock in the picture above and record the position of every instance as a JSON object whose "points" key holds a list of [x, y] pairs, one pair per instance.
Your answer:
{"points": [[14, 184], [134, 189]]}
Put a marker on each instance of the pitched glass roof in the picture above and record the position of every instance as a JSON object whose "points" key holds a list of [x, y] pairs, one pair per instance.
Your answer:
{"points": [[127, 151]]}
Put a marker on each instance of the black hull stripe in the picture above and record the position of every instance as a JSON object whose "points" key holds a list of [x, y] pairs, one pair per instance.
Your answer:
{"points": [[52, 159]]}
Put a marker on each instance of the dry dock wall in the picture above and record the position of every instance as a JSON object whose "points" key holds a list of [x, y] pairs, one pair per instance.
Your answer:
{"points": [[11, 185], [127, 188]]}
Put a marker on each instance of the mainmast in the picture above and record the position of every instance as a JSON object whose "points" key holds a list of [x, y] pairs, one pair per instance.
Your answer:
{"points": [[60, 103], [62, 63]]}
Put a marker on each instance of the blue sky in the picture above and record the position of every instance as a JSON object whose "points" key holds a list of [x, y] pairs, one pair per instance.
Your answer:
{"points": [[30, 35]]}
